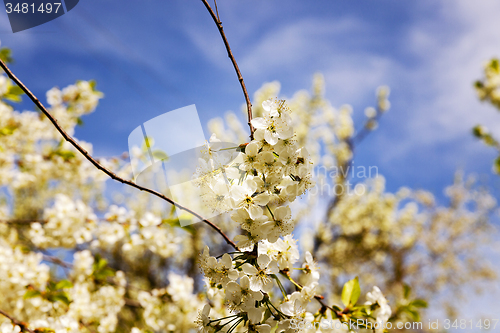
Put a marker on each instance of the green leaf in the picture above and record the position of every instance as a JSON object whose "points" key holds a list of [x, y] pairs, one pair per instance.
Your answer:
{"points": [[61, 297], [414, 315], [495, 64], [6, 55], [351, 292], [65, 154], [478, 131], [7, 130], [51, 286], [489, 140], [32, 294], [160, 155], [15, 90], [419, 303], [63, 284], [496, 165], [406, 291], [336, 308], [12, 98], [176, 223], [79, 121], [101, 275], [101, 271], [101, 264]]}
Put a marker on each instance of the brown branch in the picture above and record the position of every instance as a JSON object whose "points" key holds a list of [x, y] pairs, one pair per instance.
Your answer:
{"points": [[132, 303], [235, 65], [20, 221], [57, 261], [24, 326], [87, 327], [363, 132], [99, 166], [216, 10], [352, 143]]}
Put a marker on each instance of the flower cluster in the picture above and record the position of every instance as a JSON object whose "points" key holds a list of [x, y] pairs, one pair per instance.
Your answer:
{"points": [[488, 89], [256, 187], [249, 281], [270, 171], [175, 316]]}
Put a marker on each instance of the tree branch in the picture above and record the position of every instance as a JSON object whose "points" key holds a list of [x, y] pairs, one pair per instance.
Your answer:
{"points": [[235, 65], [99, 166], [365, 130], [57, 261], [24, 326], [352, 143], [19, 221], [216, 10]]}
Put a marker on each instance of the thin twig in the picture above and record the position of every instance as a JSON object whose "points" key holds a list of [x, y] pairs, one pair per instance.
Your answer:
{"points": [[20, 221], [24, 326], [216, 10], [99, 166], [363, 132], [57, 261], [235, 65], [352, 143]]}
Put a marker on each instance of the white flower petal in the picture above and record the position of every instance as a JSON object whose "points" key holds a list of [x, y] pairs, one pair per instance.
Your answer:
{"points": [[263, 260], [261, 199], [249, 269], [271, 138], [259, 123]]}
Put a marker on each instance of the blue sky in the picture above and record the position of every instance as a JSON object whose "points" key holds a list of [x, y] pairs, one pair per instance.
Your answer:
{"points": [[153, 56]]}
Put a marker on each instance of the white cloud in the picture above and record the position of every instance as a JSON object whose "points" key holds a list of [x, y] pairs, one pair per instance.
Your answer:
{"points": [[450, 49], [292, 44]]}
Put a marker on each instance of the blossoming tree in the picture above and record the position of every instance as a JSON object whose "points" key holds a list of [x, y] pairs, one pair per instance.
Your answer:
{"points": [[134, 269]]}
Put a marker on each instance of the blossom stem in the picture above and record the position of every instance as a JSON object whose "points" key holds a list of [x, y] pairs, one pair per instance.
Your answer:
{"points": [[228, 253], [283, 291], [279, 312], [216, 320], [234, 326], [267, 304], [239, 265], [269, 209], [292, 281]]}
